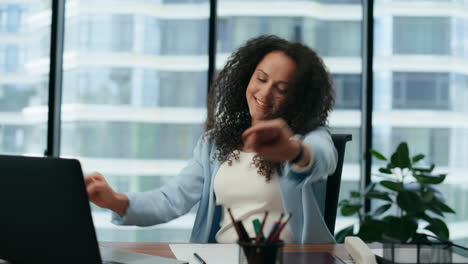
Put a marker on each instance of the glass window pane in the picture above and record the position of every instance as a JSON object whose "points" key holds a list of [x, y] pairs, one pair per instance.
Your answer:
{"points": [[421, 35], [134, 93], [420, 97], [24, 76], [336, 38]]}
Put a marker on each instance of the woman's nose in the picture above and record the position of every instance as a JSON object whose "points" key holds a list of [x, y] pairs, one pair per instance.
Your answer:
{"points": [[266, 91]]}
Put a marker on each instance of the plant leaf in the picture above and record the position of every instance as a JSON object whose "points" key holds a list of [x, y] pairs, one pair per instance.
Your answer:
{"points": [[430, 169], [425, 217], [370, 187], [371, 230], [343, 202], [377, 154], [400, 158], [427, 196], [379, 195], [401, 228], [394, 186], [435, 190], [420, 238], [410, 202], [347, 231], [348, 210], [417, 158], [412, 186], [382, 209], [435, 209], [439, 228], [385, 170], [424, 178], [442, 206], [355, 194]]}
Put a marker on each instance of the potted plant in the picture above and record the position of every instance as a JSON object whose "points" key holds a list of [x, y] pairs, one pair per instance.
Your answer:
{"points": [[407, 198]]}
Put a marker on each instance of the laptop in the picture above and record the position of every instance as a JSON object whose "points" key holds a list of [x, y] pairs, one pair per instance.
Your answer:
{"points": [[45, 216]]}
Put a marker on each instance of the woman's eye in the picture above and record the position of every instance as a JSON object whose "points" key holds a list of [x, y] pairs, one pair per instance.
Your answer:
{"points": [[261, 80], [282, 91]]}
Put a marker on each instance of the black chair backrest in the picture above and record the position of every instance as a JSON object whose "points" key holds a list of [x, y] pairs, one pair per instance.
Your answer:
{"points": [[334, 182]]}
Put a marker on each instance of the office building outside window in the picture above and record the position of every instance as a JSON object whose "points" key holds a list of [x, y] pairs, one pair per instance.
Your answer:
{"points": [[135, 83], [134, 93], [420, 88], [333, 30], [23, 79]]}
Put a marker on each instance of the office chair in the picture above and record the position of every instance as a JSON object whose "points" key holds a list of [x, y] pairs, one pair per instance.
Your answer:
{"points": [[334, 182]]}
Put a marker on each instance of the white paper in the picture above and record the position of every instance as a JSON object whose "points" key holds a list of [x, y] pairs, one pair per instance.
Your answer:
{"points": [[408, 255], [211, 253]]}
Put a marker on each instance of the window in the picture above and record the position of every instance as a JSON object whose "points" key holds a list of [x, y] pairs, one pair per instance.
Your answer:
{"points": [[421, 35], [135, 82], [14, 98], [134, 99], [234, 31], [11, 17], [334, 40], [152, 36], [122, 32], [175, 89], [129, 140], [412, 90], [424, 107], [23, 90], [176, 34], [98, 85], [460, 93], [434, 142], [348, 91]]}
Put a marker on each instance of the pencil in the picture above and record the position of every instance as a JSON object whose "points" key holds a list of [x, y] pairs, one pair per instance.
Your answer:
{"points": [[234, 224], [281, 217]]}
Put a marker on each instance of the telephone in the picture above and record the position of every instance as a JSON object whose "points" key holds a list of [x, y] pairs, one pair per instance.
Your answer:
{"points": [[359, 251]]}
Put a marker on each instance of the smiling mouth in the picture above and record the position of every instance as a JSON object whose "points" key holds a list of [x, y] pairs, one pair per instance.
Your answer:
{"points": [[262, 104]]}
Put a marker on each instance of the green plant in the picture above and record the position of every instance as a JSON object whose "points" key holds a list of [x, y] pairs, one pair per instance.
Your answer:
{"points": [[407, 199]]}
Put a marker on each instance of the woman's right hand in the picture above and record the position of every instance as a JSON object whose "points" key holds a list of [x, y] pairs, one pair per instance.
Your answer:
{"points": [[101, 194]]}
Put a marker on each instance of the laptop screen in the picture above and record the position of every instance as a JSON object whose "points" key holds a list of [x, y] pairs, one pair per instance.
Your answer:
{"points": [[45, 214]]}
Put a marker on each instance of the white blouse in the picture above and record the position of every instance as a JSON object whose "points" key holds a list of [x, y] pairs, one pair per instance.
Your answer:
{"points": [[249, 195]]}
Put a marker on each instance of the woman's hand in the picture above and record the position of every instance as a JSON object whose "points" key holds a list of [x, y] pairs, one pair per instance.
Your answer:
{"points": [[101, 194], [271, 140]]}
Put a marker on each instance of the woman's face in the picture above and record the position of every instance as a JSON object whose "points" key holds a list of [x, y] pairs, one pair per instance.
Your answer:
{"points": [[267, 88]]}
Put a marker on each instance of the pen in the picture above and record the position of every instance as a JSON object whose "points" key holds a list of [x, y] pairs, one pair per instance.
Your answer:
{"points": [[244, 236], [260, 233], [199, 258], [256, 225], [276, 229], [277, 235], [273, 230]]}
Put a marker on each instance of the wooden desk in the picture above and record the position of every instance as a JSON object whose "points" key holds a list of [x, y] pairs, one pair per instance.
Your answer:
{"points": [[163, 250]]}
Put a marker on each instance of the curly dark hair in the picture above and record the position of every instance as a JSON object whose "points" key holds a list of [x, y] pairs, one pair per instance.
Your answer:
{"points": [[309, 99]]}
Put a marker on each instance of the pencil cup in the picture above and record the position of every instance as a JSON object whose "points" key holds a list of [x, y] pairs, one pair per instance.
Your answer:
{"points": [[261, 253]]}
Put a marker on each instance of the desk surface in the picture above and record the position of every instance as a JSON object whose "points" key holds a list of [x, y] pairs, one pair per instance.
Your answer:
{"points": [[163, 250]]}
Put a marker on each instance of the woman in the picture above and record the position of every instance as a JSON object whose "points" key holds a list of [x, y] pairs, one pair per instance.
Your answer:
{"points": [[249, 159]]}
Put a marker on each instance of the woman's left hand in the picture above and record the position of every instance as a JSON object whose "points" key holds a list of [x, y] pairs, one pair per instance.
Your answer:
{"points": [[271, 140]]}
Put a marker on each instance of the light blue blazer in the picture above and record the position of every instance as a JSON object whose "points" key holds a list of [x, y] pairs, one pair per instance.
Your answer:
{"points": [[303, 194]]}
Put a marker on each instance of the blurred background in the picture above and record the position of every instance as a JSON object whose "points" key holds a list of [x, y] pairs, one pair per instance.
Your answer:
{"points": [[135, 83]]}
